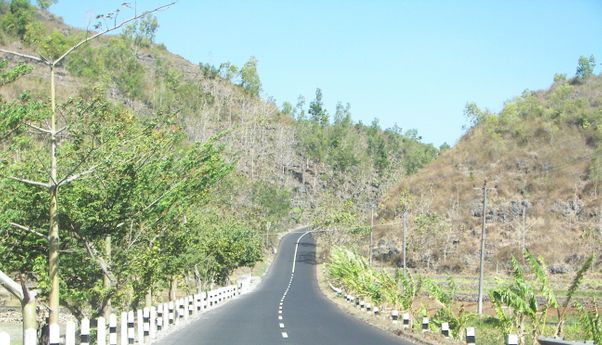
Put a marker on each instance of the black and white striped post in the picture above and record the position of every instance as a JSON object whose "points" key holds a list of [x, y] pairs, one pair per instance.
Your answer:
{"points": [[376, 311], [369, 308], [101, 331], [171, 316], [395, 315], [124, 328], [445, 329], [511, 339], [146, 324], [84, 332], [181, 309], [165, 316], [160, 317], [406, 320], [191, 307], [152, 322], [112, 329], [4, 338], [70, 333], [140, 326], [199, 302], [362, 304], [357, 302], [131, 331], [54, 336], [471, 336], [425, 324]]}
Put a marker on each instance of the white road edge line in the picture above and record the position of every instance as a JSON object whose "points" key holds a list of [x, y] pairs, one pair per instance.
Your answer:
{"points": [[284, 335]]}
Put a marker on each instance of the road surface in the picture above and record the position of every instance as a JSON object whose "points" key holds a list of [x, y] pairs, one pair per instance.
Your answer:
{"points": [[305, 316]]}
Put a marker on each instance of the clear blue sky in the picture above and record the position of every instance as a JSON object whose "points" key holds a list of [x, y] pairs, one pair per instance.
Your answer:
{"points": [[414, 63]]}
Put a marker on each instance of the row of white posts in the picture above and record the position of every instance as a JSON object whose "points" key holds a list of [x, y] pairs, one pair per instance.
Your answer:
{"points": [[139, 327], [511, 339]]}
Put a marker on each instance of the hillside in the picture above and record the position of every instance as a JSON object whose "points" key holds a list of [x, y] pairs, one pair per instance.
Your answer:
{"points": [[541, 159], [302, 151]]}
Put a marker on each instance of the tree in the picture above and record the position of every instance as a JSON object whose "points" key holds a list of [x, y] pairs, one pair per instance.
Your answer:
{"points": [[585, 67], [318, 114], [249, 79], [55, 182]]}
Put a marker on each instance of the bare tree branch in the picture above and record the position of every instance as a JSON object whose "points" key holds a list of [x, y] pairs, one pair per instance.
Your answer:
{"points": [[12, 286], [31, 57], [28, 229], [77, 176], [87, 39], [96, 257], [47, 131], [26, 181]]}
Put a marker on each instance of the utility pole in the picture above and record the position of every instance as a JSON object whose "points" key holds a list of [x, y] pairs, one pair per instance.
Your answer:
{"points": [[371, 232], [524, 229], [482, 261], [405, 232]]}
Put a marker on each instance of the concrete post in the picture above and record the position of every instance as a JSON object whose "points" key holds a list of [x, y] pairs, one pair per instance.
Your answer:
{"points": [[425, 324], [131, 332], [124, 328], [70, 333], [140, 326], [445, 329], [470, 336], [112, 329], [84, 332], [406, 321], [55, 334], [101, 333], [146, 324]]}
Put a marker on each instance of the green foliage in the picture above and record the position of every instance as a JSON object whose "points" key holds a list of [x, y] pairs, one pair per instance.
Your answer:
{"points": [[591, 322], [141, 33], [16, 20], [249, 78], [446, 297], [318, 115], [585, 68], [12, 74], [474, 115]]}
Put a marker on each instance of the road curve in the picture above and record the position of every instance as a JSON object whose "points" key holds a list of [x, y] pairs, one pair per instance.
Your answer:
{"points": [[285, 309]]}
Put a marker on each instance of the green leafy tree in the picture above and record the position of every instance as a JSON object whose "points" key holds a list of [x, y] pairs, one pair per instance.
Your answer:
{"points": [[249, 78], [585, 68], [317, 112]]}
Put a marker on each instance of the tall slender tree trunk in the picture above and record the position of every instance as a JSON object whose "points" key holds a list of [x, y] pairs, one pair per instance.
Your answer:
{"points": [[173, 285], [106, 309], [53, 237]]}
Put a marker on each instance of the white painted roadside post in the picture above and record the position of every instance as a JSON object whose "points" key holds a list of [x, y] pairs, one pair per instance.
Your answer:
{"points": [[101, 333], [124, 328], [425, 324], [160, 317], [511, 339], [152, 322], [31, 336], [166, 320], [55, 334], [191, 307], [171, 316], [470, 336], [369, 308], [70, 333], [445, 329], [362, 304], [146, 324], [395, 315], [181, 311], [140, 326], [4, 338], [406, 321], [131, 333], [84, 332], [376, 311], [112, 329]]}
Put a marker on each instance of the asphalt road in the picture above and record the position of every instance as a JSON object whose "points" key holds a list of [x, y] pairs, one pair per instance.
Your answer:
{"points": [[306, 316]]}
